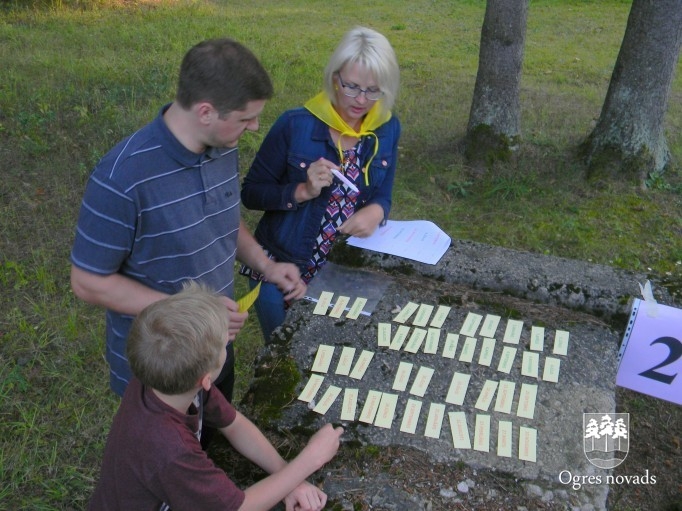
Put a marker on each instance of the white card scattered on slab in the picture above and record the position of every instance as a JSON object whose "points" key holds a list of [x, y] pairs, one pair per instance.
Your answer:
{"points": [[486, 395], [467, 353], [560, 342], [311, 388], [458, 388], [323, 303], [506, 359], [323, 358], [405, 313], [489, 326], [423, 315], [416, 340], [361, 365], [411, 417], [460, 430], [399, 337], [350, 403], [527, 396], [421, 381], [432, 341], [512, 334], [482, 433], [339, 307], [327, 400], [386, 411], [504, 439], [537, 338], [384, 335], [551, 369], [434, 422], [369, 411], [487, 351], [530, 364], [505, 396], [356, 308], [345, 361], [402, 377], [450, 348], [528, 438], [440, 316], [470, 325]]}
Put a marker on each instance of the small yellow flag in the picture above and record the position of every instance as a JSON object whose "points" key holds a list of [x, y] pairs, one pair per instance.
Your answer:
{"points": [[246, 301]]}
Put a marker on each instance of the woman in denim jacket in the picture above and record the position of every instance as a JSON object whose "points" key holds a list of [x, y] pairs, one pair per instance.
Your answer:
{"points": [[326, 168]]}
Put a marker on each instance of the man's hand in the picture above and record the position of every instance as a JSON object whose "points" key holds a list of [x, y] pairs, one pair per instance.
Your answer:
{"points": [[287, 278], [237, 319], [306, 497]]}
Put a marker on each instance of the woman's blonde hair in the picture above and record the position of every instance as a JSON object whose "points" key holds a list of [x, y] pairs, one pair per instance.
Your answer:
{"points": [[177, 340]]}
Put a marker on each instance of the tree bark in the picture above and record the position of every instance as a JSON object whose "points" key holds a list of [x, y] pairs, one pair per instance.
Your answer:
{"points": [[628, 140], [494, 130]]}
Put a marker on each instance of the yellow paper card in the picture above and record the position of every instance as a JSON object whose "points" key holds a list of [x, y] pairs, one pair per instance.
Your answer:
{"points": [[311, 388], [246, 301], [369, 411], [504, 439], [435, 420], [432, 341], [551, 370], [537, 338], [530, 364], [339, 306], [361, 365], [489, 326], [402, 377], [471, 324], [482, 433], [323, 358], [560, 342], [345, 361], [486, 395], [356, 308], [528, 438], [384, 335], [458, 388], [467, 353], [327, 400], [421, 381], [411, 417], [323, 303], [512, 334], [399, 337], [487, 351], [423, 315], [450, 348], [416, 340], [386, 411], [526, 407], [460, 430], [506, 359], [440, 316], [505, 396], [350, 403], [407, 311]]}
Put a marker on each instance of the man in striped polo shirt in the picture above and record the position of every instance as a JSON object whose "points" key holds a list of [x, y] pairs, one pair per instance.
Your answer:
{"points": [[162, 207]]}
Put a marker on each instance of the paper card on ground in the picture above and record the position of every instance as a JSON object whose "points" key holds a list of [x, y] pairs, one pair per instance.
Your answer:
{"points": [[512, 334], [327, 400], [361, 365], [460, 430], [350, 403], [402, 377], [434, 422], [489, 326], [470, 325], [345, 361], [311, 388], [467, 353], [323, 303], [485, 358], [560, 342], [528, 439], [421, 381], [386, 411], [411, 417], [527, 396], [369, 410], [551, 370], [339, 307], [450, 347], [440, 316], [537, 338], [423, 315], [406, 312], [482, 433], [458, 388], [432, 341], [486, 395], [356, 308], [416, 340], [530, 364], [399, 337], [506, 359], [384, 335], [504, 439], [505, 396], [323, 358]]}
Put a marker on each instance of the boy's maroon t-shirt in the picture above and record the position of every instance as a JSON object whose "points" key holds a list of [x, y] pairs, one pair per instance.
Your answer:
{"points": [[153, 457]]}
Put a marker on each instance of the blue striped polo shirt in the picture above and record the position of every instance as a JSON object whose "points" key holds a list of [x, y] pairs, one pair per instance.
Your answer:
{"points": [[159, 214]]}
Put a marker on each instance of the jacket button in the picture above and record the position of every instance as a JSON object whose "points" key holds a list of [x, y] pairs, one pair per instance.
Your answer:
{"points": [[289, 205], [384, 163], [302, 164]]}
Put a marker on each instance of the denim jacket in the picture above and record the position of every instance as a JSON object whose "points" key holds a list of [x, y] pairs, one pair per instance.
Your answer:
{"points": [[297, 139]]}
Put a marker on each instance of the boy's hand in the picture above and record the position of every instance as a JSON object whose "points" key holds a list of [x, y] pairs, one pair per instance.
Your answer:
{"points": [[306, 497], [323, 445]]}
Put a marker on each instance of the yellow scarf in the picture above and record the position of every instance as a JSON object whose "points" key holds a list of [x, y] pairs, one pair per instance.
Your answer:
{"points": [[321, 107]]}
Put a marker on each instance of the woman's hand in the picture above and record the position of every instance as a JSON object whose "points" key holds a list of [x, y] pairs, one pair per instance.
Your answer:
{"points": [[319, 176], [363, 222]]}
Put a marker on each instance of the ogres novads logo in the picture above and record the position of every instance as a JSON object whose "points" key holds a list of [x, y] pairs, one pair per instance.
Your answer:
{"points": [[606, 438]]}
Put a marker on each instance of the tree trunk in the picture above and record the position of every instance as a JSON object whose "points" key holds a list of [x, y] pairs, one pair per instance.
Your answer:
{"points": [[628, 140], [494, 129]]}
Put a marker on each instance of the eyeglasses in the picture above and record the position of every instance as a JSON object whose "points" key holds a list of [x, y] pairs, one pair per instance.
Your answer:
{"points": [[353, 91]]}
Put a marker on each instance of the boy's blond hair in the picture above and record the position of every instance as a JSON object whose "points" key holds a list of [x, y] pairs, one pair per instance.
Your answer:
{"points": [[177, 340]]}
